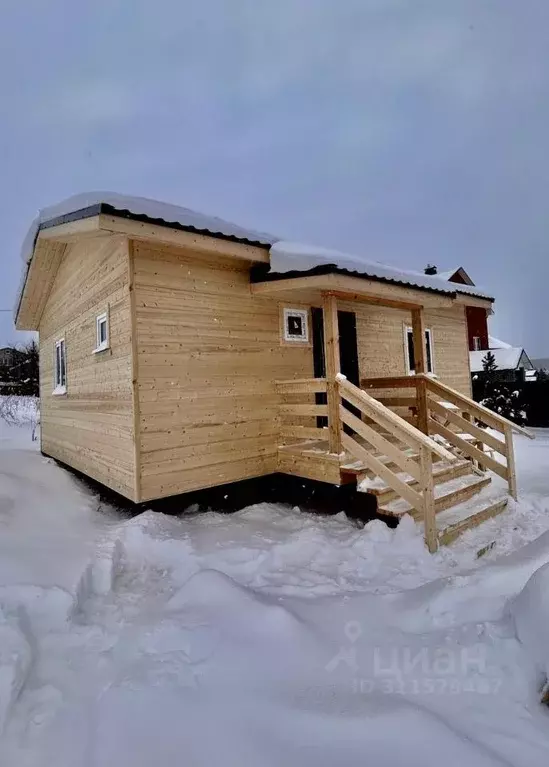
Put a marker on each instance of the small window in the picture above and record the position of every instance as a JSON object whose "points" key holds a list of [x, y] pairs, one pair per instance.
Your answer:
{"points": [[102, 332], [410, 357], [60, 368], [296, 325], [476, 343]]}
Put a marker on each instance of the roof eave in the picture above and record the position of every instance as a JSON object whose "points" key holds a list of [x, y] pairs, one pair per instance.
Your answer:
{"points": [[110, 210], [261, 274]]}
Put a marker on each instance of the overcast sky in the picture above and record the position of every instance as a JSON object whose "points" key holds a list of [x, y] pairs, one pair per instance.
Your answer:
{"points": [[409, 131]]}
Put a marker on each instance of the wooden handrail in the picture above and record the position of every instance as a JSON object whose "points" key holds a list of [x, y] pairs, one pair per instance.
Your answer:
{"points": [[398, 425], [463, 421], [421, 496], [475, 408]]}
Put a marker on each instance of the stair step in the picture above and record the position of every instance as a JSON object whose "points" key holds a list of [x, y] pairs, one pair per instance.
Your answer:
{"points": [[442, 472], [359, 468], [453, 522], [447, 494]]}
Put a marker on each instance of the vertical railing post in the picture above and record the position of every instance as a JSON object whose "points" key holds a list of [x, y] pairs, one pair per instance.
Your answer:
{"points": [[511, 471], [420, 364], [428, 493], [331, 350]]}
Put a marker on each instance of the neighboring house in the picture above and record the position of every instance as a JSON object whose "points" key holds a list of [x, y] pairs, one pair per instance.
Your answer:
{"points": [[10, 357], [179, 352], [477, 316], [10, 360], [508, 359]]}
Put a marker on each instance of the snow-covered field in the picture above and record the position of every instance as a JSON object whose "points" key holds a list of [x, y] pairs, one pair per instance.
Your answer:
{"points": [[267, 637]]}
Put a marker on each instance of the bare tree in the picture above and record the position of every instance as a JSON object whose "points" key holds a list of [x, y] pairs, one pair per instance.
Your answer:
{"points": [[20, 411]]}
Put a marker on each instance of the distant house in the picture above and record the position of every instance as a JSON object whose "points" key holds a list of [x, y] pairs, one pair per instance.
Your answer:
{"points": [[179, 351], [10, 362], [10, 357], [510, 360], [477, 316]]}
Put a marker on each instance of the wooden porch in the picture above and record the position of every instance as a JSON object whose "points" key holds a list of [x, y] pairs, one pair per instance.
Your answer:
{"points": [[415, 443]]}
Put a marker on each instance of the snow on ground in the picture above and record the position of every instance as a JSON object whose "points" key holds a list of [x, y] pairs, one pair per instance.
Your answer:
{"points": [[265, 637]]}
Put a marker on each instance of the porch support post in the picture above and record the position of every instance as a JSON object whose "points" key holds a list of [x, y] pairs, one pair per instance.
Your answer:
{"points": [[428, 493], [331, 351], [420, 363], [511, 471]]}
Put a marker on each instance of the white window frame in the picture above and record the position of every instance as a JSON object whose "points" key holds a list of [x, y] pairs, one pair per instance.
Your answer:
{"points": [[304, 314], [431, 356], [477, 344], [101, 346], [59, 370]]}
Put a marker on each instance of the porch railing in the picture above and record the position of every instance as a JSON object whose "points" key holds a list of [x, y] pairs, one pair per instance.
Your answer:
{"points": [[445, 410], [377, 431], [421, 495], [299, 404]]}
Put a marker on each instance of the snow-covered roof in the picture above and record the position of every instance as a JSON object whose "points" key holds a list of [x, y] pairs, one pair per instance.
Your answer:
{"points": [[92, 203], [299, 257], [495, 343], [509, 358], [284, 256]]}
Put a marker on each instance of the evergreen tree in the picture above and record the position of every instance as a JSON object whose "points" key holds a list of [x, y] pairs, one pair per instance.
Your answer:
{"points": [[29, 370], [500, 397], [489, 362]]}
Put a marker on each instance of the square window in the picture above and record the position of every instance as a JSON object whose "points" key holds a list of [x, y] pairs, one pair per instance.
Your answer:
{"points": [[476, 343], [296, 325], [102, 332]]}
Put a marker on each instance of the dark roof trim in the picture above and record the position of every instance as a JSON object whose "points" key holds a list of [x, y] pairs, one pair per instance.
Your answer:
{"points": [[110, 210], [67, 218], [260, 273]]}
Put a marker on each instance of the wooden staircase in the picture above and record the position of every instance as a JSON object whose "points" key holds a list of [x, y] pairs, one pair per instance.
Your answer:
{"points": [[442, 482], [463, 495]]}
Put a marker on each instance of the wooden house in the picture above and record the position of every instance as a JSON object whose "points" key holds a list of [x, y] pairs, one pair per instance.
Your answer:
{"points": [[179, 352]]}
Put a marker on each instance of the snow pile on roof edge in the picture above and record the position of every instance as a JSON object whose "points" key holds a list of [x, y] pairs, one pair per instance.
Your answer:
{"points": [[505, 359], [295, 256], [138, 206], [142, 206]]}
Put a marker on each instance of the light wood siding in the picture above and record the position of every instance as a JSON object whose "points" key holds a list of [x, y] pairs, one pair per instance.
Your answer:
{"points": [[91, 427], [204, 355], [381, 352], [208, 356], [450, 347]]}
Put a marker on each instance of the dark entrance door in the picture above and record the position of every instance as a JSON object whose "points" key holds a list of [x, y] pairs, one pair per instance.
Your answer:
{"points": [[348, 352]]}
